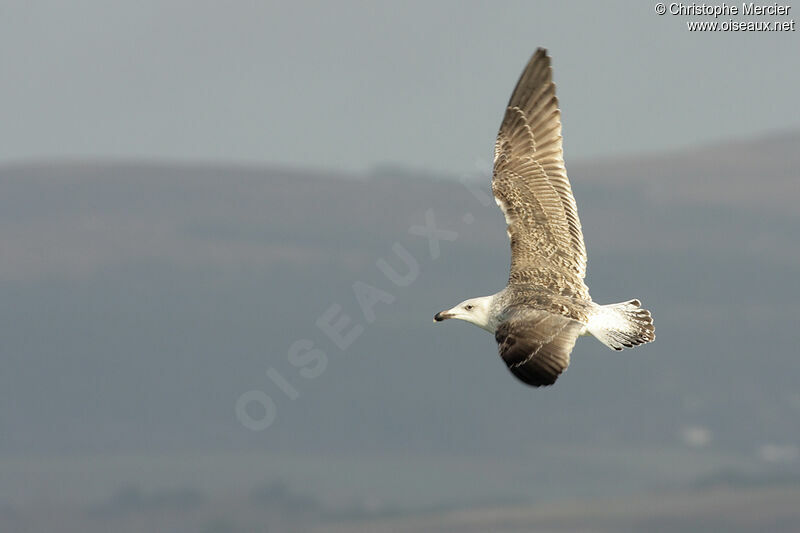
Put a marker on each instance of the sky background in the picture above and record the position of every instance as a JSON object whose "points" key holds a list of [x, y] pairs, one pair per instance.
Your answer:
{"points": [[186, 187], [350, 85]]}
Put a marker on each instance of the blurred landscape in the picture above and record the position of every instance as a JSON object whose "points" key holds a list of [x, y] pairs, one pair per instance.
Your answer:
{"points": [[142, 299]]}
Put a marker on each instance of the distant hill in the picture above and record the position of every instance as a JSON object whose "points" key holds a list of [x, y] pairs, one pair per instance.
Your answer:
{"points": [[140, 300]]}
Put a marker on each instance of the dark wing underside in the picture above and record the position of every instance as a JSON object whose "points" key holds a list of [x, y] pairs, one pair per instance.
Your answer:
{"points": [[531, 187], [536, 345]]}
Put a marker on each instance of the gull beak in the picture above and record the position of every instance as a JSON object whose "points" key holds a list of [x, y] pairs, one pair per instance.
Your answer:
{"points": [[444, 315]]}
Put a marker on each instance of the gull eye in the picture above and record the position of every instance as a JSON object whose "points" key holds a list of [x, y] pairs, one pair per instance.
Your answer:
{"points": [[468, 307]]}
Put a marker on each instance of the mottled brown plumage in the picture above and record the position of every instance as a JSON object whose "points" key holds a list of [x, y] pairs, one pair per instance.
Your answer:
{"points": [[530, 184], [546, 305]]}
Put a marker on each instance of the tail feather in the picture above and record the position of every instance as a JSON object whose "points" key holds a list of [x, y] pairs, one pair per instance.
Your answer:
{"points": [[622, 325]]}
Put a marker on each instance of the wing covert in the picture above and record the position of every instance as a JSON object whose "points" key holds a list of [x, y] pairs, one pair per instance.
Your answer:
{"points": [[536, 345]]}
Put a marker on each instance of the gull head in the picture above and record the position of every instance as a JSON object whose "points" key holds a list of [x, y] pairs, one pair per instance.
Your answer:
{"points": [[475, 311]]}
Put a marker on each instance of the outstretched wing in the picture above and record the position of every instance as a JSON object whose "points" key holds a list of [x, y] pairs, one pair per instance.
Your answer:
{"points": [[531, 187], [535, 345]]}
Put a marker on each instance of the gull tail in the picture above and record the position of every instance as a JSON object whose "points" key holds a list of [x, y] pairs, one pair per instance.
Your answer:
{"points": [[622, 325]]}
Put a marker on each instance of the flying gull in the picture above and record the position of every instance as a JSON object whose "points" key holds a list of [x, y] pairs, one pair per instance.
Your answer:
{"points": [[546, 305]]}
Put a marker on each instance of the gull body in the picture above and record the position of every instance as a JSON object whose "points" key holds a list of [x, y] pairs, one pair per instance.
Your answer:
{"points": [[546, 305]]}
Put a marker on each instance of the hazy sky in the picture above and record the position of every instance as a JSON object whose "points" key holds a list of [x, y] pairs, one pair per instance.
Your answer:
{"points": [[347, 85]]}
